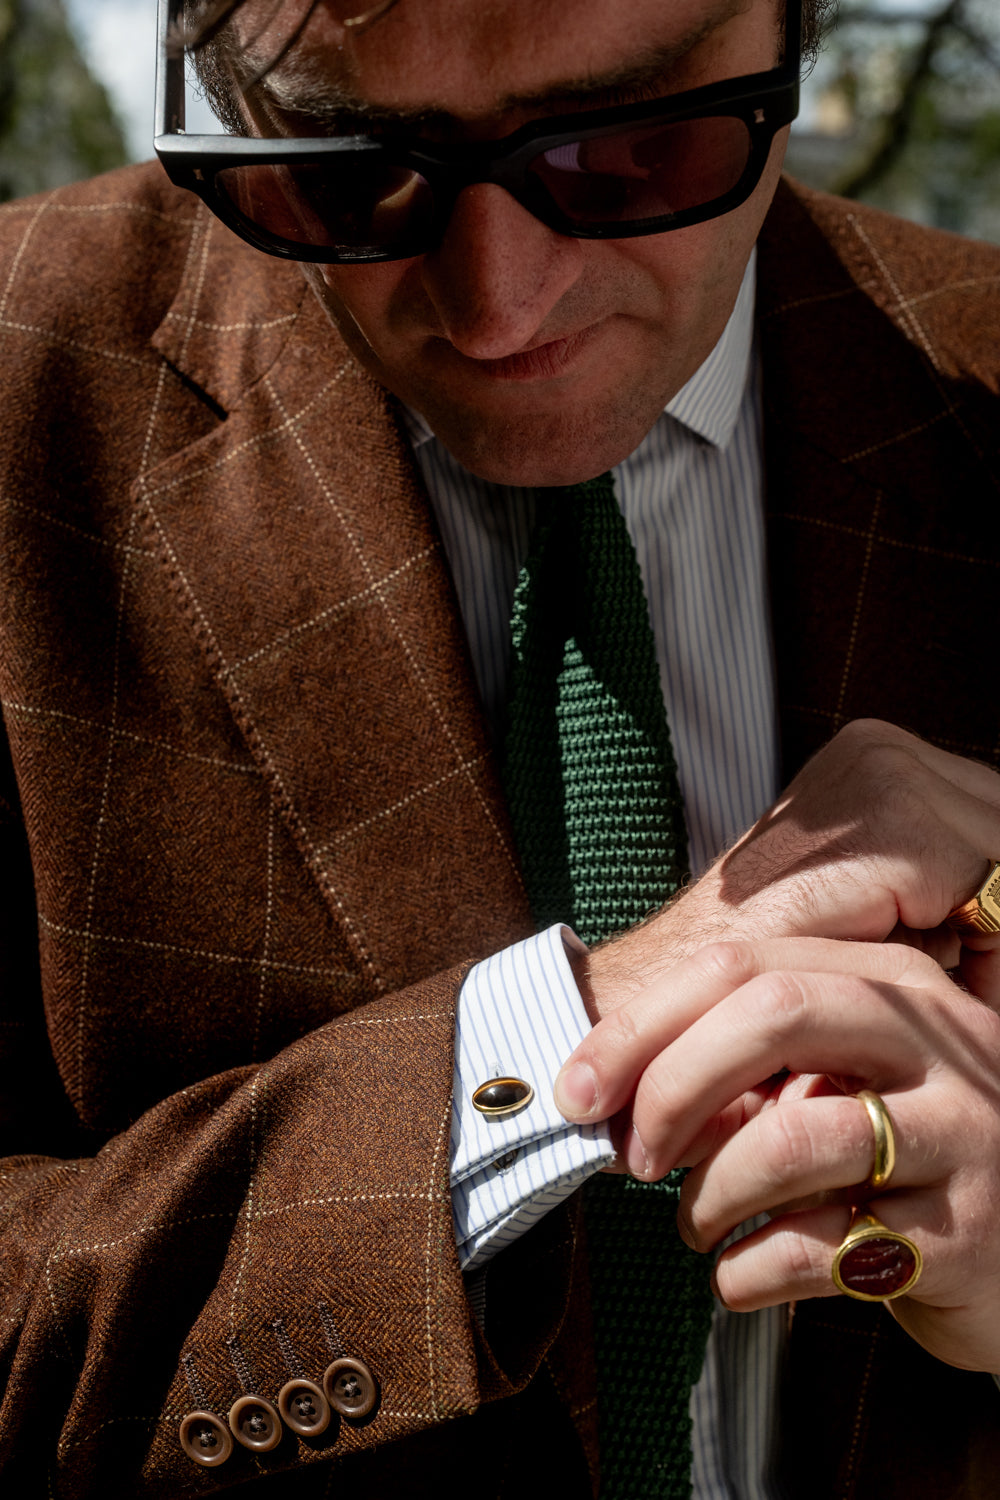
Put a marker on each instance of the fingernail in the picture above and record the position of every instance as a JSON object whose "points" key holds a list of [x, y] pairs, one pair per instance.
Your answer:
{"points": [[713, 1285], [575, 1091], [635, 1155]]}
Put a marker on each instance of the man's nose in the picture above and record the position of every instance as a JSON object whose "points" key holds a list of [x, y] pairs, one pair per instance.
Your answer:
{"points": [[497, 274]]}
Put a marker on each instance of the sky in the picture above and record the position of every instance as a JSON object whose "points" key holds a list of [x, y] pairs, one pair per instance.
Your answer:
{"points": [[118, 39]]}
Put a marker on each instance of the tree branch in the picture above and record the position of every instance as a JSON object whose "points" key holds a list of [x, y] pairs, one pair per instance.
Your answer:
{"points": [[899, 124]]}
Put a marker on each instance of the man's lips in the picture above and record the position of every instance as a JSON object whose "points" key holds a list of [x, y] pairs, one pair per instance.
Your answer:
{"points": [[543, 361]]}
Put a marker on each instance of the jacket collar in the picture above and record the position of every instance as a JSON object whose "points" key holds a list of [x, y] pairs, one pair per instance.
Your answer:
{"points": [[233, 314]]}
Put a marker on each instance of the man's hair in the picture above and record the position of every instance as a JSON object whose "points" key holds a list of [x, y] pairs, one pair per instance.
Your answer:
{"points": [[208, 35]]}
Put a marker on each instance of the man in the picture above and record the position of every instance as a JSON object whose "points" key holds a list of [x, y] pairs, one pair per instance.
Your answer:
{"points": [[253, 809]]}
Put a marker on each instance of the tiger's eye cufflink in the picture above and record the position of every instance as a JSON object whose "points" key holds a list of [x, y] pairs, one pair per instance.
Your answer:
{"points": [[500, 1097]]}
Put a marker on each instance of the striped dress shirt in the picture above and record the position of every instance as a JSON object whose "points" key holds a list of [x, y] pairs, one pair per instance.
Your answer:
{"points": [[691, 494]]}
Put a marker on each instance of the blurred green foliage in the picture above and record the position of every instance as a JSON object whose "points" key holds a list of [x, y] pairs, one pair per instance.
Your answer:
{"points": [[56, 121]]}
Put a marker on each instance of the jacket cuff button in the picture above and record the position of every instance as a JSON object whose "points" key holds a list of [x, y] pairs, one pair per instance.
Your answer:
{"points": [[205, 1439], [255, 1424], [350, 1387], [304, 1408]]}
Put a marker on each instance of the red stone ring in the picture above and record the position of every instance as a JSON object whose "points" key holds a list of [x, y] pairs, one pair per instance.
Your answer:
{"points": [[875, 1264]]}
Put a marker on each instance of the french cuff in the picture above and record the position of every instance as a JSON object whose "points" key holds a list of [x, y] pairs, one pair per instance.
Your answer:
{"points": [[519, 1015]]}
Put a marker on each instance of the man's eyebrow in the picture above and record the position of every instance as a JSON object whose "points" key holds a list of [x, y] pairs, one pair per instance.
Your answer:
{"points": [[295, 88]]}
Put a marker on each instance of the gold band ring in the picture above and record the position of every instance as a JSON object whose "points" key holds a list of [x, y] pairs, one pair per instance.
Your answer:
{"points": [[885, 1139], [981, 913], [875, 1264]]}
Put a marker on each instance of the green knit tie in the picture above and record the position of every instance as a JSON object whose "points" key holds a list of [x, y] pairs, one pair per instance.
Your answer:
{"points": [[592, 787]]}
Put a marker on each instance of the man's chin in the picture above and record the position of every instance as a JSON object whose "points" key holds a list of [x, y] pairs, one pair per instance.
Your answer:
{"points": [[538, 451]]}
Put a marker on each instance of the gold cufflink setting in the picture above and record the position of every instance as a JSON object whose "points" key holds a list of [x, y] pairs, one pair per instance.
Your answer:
{"points": [[499, 1098]]}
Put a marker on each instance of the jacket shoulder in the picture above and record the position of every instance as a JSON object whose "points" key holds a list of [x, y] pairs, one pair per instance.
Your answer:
{"points": [[108, 252], [939, 289], [106, 262], [120, 298]]}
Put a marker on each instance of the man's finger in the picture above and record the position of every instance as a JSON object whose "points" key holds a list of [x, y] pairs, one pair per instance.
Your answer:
{"points": [[979, 969], [845, 1025], [602, 1074], [798, 1151], [599, 1077]]}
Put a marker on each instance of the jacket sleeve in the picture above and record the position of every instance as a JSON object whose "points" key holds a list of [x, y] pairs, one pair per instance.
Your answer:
{"points": [[246, 1232], [226, 1134]]}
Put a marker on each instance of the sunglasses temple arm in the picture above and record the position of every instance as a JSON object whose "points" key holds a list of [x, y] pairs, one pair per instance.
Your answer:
{"points": [[168, 112], [792, 58]]}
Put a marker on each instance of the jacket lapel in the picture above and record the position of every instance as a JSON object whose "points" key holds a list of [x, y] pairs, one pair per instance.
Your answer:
{"points": [[306, 563], [880, 580]]}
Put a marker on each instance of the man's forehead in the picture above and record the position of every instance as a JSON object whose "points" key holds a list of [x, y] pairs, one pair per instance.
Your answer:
{"points": [[469, 59]]}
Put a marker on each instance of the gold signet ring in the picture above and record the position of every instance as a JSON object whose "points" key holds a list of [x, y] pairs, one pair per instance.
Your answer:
{"points": [[981, 913], [875, 1264]]}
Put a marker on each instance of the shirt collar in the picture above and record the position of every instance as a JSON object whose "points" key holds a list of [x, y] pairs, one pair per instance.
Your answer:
{"points": [[416, 426], [709, 404]]}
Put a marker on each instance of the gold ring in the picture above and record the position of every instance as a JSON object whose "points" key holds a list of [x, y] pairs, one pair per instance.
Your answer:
{"points": [[885, 1139], [981, 913], [875, 1264]]}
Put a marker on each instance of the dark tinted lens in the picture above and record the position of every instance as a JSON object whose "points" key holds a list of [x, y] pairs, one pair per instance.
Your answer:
{"points": [[348, 207], [643, 172]]}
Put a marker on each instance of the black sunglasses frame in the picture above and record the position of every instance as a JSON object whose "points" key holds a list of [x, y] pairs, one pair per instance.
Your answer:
{"points": [[763, 101]]}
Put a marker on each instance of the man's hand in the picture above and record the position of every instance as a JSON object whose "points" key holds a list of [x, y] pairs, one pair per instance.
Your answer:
{"points": [[739, 1058], [837, 1016], [880, 835]]}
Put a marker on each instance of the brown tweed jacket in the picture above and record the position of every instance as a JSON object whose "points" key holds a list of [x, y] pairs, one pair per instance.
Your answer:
{"points": [[253, 836]]}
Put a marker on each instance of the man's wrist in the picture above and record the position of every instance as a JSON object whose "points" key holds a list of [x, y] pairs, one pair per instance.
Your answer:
{"points": [[615, 971]]}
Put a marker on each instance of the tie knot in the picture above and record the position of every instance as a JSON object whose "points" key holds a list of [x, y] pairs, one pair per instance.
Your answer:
{"points": [[572, 508], [581, 543], [588, 491]]}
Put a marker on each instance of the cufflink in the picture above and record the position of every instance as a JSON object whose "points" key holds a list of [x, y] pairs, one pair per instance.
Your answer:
{"points": [[500, 1097]]}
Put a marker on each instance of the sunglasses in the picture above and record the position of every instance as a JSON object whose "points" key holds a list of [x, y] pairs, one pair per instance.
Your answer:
{"points": [[611, 173]]}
